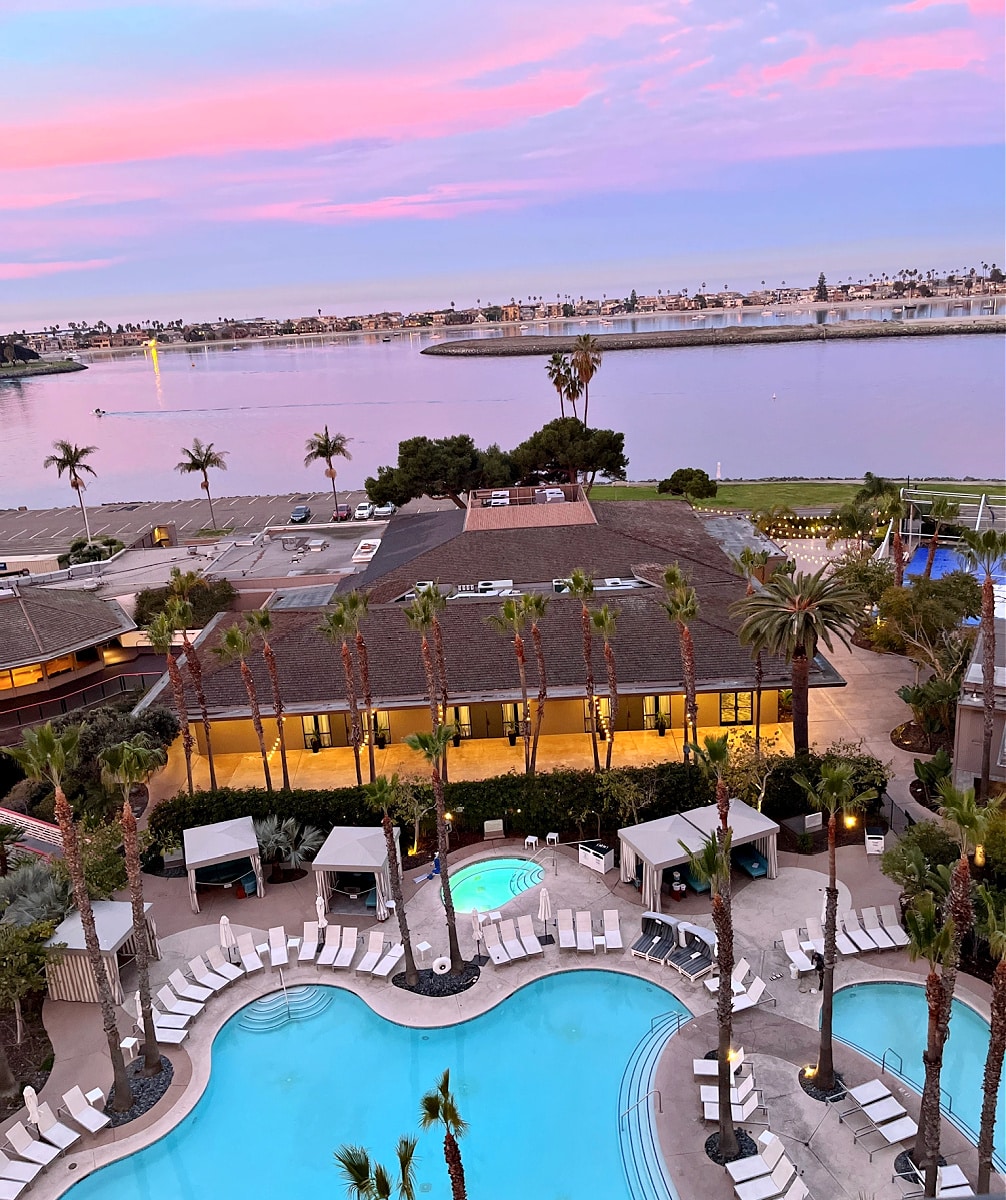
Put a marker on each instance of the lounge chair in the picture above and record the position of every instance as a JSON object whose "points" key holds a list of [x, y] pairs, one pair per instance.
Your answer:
{"points": [[372, 956], [389, 962], [791, 944], [189, 991], [511, 942], [169, 1020], [709, 1092], [695, 958], [815, 933], [494, 947], [767, 1186], [228, 970], [10, 1189], [15, 1169], [202, 974], [754, 996], [60, 1135], [584, 933], [739, 1112], [654, 927], [167, 1032], [326, 955], [709, 1068], [892, 926], [25, 1146], [797, 1190], [871, 923], [564, 927], [612, 929], [751, 862], [86, 1115], [850, 923], [279, 955], [250, 959], [528, 937], [764, 1162], [347, 951], [309, 942], [172, 1004], [740, 972]]}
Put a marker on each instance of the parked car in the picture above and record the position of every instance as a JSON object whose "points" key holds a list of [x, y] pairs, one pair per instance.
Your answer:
{"points": [[364, 511], [300, 515], [383, 511], [342, 513]]}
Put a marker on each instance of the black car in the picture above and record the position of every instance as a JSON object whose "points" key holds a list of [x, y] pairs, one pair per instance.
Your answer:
{"points": [[300, 515]]}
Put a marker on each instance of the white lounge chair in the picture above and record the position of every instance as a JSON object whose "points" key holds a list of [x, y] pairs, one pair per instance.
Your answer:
{"points": [[584, 933], [737, 977], [709, 1092], [309, 942], [202, 974], [166, 1020], [13, 1168], [347, 951], [60, 1135], [764, 1162], [739, 1112], [250, 959], [709, 1068], [169, 1027], [326, 955], [797, 1190], [756, 994], [871, 923], [815, 932], [564, 927], [86, 1115], [892, 926], [389, 961], [228, 970], [189, 991], [181, 1008], [25, 1146], [528, 937], [511, 942], [612, 929], [279, 956], [372, 956], [494, 947], [791, 944], [10, 1189], [850, 923], [767, 1186]]}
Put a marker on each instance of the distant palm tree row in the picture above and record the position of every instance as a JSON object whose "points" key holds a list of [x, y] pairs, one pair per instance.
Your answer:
{"points": [[571, 376]]}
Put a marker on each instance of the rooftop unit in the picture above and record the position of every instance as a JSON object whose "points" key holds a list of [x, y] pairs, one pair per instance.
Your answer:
{"points": [[494, 586]]}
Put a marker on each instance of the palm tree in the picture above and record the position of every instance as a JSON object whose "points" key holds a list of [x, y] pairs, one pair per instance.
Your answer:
{"points": [[557, 369], [199, 460], [337, 628], [832, 795], [419, 615], [894, 511], [751, 564], [573, 390], [382, 794], [581, 585], [161, 636], [372, 1181], [259, 623], [323, 447], [123, 766], [44, 754], [603, 620], [856, 519], [432, 746], [179, 612], [356, 609], [73, 460], [511, 620], [585, 361], [994, 931], [534, 605], [235, 646], [682, 607], [982, 552], [439, 1107], [942, 512], [790, 616], [438, 602]]}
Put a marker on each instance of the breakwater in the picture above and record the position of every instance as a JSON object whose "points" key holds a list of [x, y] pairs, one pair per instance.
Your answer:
{"points": [[28, 370]]}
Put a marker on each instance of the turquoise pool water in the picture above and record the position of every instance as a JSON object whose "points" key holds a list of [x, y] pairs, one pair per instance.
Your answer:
{"points": [[537, 1079], [875, 1016], [489, 885]]}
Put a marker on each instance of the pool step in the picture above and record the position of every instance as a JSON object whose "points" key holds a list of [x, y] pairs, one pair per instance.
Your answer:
{"points": [[299, 1003], [522, 881]]}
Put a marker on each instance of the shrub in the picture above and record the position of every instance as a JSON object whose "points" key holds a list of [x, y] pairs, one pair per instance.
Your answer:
{"points": [[805, 843], [928, 845], [689, 481], [208, 597], [785, 798]]}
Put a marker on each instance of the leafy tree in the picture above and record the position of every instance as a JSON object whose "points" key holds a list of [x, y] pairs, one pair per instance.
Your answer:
{"points": [[207, 597], [323, 447], [23, 959], [920, 614], [984, 553], [411, 803], [235, 646], [200, 459], [821, 291], [689, 481], [10, 835], [449, 466], [73, 460], [382, 795], [439, 1107], [564, 448], [866, 574]]}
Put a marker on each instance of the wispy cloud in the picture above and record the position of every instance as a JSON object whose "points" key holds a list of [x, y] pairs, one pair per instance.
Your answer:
{"points": [[33, 270]]}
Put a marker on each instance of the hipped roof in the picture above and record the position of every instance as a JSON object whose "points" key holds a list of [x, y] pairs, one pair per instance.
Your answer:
{"points": [[113, 921], [659, 841], [38, 624], [350, 848], [219, 843]]}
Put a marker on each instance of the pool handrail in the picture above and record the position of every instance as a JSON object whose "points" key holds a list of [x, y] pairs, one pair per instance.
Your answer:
{"points": [[651, 1092]]}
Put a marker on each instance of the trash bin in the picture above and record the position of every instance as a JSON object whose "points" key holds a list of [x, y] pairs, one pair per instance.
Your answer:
{"points": [[794, 971]]}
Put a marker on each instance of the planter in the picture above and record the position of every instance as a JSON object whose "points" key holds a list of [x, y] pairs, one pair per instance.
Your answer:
{"points": [[661, 731], [512, 739], [381, 741], [457, 740]]}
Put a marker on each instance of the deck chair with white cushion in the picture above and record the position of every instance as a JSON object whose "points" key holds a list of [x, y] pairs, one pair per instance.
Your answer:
{"points": [[228, 970], [25, 1146], [737, 976], [12, 1168], [188, 991], [326, 955], [709, 1092], [892, 926], [10, 1189], [850, 923], [564, 927], [767, 1186], [250, 959], [612, 929], [815, 934], [309, 942], [494, 947], [584, 933], [169, 1020], [755, 995], [168, 1033], [709, 1068], [797, 1190], [60, 1135], [202, 974], [528, 937], [770, 1150], [389, 962], [85, 1114], [511, 942], [347, 951], [739, 1112], [871, 923], [279, 956], [373, 954], [791, 944], [182, 1008]]}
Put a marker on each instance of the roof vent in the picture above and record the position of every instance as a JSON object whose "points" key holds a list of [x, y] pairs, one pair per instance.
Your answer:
{"points": [[420, 584], [494, 585], [560, 585]]}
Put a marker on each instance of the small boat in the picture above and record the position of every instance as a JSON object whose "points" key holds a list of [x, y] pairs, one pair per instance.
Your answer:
{"points": [[523, 327], [767, 313], [832, 312], [607, 322], [385, 339]]}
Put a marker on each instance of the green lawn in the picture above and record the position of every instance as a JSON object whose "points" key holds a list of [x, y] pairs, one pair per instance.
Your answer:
{"points": [[802, 493]]}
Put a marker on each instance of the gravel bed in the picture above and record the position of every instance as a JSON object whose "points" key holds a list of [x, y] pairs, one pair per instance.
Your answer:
{"points": [[439, 986], [147, 1090]]}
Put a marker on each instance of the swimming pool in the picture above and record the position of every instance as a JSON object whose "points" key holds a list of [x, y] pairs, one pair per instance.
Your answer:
{"points": [[947, 560], [873, 1017], [490, 884], [280, 1102]]}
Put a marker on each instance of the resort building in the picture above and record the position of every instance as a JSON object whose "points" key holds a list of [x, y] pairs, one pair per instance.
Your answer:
{"points": [[968, 734]]}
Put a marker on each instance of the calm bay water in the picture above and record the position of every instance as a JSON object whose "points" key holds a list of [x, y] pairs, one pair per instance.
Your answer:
{"points": [[924, 407]]}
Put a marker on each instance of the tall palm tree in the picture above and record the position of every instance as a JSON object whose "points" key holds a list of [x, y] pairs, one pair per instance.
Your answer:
{"points": [[123, 766], [438, 603], [603, 621], [883, 498], [432, 746], [356, 609], [585, 361], [994, 932], [833, 794], [323, 447], [534, 605], [856, 519], [259, 623], [682, 607], [573, 390], [372, 1181], [73, 460], [983, 552], [419, 615], [791, 616], [44, 754], [161, 636], [337, 629], [200, 459], [381, 794], [557, 369], [581, 585], [942, 512], [439, 1107], [894, 511], [235, 646], [752, 564], [179, 612], [510, 622]]}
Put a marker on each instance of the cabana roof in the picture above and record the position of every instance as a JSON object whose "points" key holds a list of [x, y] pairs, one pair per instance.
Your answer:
{"points": [[113, 920], [352, 848], [226, 840], [659, 842], [746, 823]]}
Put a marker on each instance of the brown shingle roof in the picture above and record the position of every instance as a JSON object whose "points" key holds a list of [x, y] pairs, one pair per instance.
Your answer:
{"points": [[37, 624]]}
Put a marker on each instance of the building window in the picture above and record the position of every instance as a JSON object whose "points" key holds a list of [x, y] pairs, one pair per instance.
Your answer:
{"points": [[460, 716], [382, 727], [736, 708], [602, 711], [317, 732], [25, 676], [6, 683], [652, 705], [511, 719]]}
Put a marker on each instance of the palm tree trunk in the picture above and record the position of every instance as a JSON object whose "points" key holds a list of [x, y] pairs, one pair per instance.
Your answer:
{"points": [[457, 962], [728, 1147], [586, 402], [83, 510], [363, 658], [277, 707], [431, 684], [801, 670], [196, 671], [438, 641], [927, 1146], [354, 708], [455, 1169], [525, 712], [589, 666], [335, 494], [609, 662], [178, 692], [988, 681], [759, 680], [209, 500], [151, 1050], [411, 974], [539, 716], [990, 1080], [256, 717], [934, 543], [688, 669], [899, 555], [71, 855], [825, 1077]]}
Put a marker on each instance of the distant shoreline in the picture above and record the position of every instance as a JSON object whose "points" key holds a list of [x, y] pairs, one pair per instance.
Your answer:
{"points": [[43, 366], [734, 336]]}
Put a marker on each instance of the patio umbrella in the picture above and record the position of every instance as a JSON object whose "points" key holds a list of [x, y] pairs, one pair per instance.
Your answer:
{"points": [[227, 939], [31, 1104], [476, 929], [544, 909], [381, 898], [319, 907]]}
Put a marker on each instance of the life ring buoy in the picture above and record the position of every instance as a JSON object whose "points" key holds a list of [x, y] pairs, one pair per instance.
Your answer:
{"points": [[441, 966]]}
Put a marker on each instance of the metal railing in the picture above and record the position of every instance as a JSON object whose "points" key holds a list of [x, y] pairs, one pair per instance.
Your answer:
{"points": [[888, 1050], [651, 1092], [45, 709]]}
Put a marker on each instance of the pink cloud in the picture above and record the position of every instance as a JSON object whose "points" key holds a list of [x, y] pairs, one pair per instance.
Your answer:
{"points": [[32, 270], [977, 8]]}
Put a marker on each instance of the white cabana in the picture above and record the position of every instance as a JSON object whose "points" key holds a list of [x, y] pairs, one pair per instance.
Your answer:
{"points": [[358, 851], [658, 844], [224, 842], [72, 978]]}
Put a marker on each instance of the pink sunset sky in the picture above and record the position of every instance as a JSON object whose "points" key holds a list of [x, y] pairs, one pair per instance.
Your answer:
{"points": [[202, 157]]}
